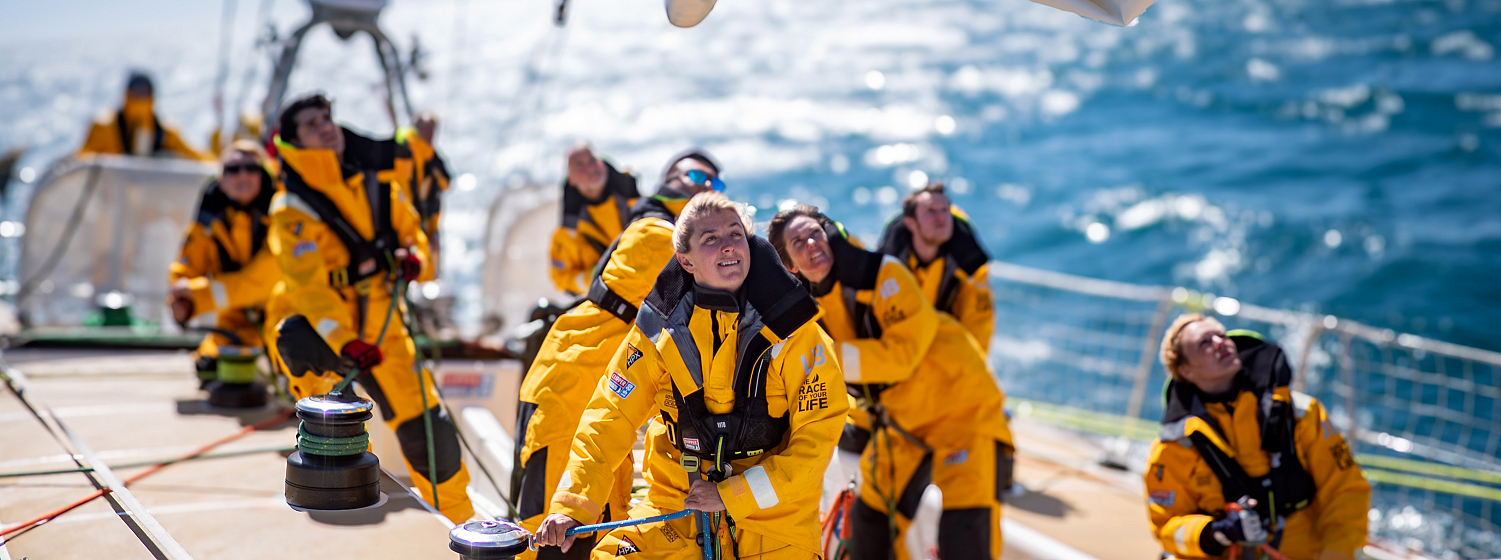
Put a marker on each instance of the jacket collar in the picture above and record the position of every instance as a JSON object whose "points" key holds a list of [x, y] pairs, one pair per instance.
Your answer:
{"points": [[716, 299], [317, 166]]}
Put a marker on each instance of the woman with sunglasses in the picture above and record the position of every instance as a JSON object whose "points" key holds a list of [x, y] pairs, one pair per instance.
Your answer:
{"points": [[224, 266], [578, 348]]}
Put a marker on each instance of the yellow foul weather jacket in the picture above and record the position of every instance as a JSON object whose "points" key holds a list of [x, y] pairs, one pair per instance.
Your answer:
{"points": [[578, 349], [587, 229], [696, 352], [1320, 494], [136, 130], [345, 292], [927, 370], [313, 259], [957, 281], [229, 269]]}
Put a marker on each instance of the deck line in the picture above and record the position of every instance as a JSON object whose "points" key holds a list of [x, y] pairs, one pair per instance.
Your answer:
{"points": [[152, 535], [123, 499]]}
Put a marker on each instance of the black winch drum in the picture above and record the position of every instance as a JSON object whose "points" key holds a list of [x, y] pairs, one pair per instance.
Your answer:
{"points": [[489, 540], [236, 385], [339, 476]]}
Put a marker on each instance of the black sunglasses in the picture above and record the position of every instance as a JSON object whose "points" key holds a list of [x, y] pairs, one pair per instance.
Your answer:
{"points": [[240, 168]]}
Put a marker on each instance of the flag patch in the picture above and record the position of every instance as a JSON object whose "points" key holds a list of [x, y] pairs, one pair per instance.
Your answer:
{"points": [[302, 248], [956, 457], [1163, 498], [620, 386]]}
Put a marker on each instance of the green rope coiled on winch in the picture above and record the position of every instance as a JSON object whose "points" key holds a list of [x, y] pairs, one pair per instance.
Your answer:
{"points": [[331, 446]]}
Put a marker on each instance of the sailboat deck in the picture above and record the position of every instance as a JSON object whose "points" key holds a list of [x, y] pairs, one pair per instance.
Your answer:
{"points": [[134, 408]]}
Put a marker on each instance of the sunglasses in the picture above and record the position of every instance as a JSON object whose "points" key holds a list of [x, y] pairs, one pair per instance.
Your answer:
{"points": [[240, 168], [699, 177]]}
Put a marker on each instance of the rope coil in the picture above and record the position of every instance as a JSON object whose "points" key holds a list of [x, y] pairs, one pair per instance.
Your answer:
{"points": [[331, 446]]}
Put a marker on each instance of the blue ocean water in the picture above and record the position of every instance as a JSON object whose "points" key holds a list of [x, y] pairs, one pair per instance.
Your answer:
{"points": [[1332, 156]]}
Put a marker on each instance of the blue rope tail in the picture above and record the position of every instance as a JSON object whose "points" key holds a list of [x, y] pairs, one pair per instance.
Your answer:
{"points": [[627, 523]]}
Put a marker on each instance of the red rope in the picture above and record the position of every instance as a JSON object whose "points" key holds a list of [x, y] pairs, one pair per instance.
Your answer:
{"points": [[149, 471]]}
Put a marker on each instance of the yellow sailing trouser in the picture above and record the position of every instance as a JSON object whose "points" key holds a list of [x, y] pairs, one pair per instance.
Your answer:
{"points": [[676, 539], [964, 469], [393, 386]]}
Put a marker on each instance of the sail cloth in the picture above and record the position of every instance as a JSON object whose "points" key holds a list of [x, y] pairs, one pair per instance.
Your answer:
{"points": [[1115, 12], [127, 216]]}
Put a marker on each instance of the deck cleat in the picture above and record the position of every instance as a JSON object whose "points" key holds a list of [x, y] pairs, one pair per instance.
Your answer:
{"points": [[489, 540], [333, 468], [235, 385]]}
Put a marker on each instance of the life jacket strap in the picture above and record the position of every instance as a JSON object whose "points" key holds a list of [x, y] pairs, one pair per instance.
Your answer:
{"points": [[608, 300]]}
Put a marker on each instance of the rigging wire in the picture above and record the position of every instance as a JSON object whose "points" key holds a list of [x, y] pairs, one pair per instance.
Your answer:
{"points": [[460, 40], [530, 96], [226, 37], [254, 66]]}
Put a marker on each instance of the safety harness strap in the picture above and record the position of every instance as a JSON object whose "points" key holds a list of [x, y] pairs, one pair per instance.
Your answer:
{"points": [[126, 140], [610, 301], [367, 257], [599, 292], [772, 300], [962, 251], [1287, 487]]}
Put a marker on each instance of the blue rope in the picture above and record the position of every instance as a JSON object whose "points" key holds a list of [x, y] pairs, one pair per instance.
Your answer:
{"points": [[627, 523]]}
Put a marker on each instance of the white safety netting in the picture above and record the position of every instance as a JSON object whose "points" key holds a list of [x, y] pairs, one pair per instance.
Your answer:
{"points": [[103, 230]]}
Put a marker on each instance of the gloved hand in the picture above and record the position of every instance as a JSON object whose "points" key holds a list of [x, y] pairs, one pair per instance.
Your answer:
{"points": [[363, 354], [411, 265], [1240, 525]]}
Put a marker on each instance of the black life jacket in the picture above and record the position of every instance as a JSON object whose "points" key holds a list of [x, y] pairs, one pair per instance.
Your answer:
{"points": [[770, 298], [367, 257], [575, 205], [126, 140], [213, 206], [654, 206], [855, 270], [1287, 487], [961, 252]]}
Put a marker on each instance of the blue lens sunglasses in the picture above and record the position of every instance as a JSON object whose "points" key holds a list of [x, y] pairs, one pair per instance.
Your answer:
{"points": [[698, 177]]}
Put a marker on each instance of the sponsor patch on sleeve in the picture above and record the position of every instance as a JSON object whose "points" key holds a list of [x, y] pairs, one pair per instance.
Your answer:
{"points": [[303, 248], [626, 547], [620, 386], [631, 359], [1162, 498]]}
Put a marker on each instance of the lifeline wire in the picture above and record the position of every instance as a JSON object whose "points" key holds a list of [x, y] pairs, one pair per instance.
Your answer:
{"points": [[57, 251]]}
